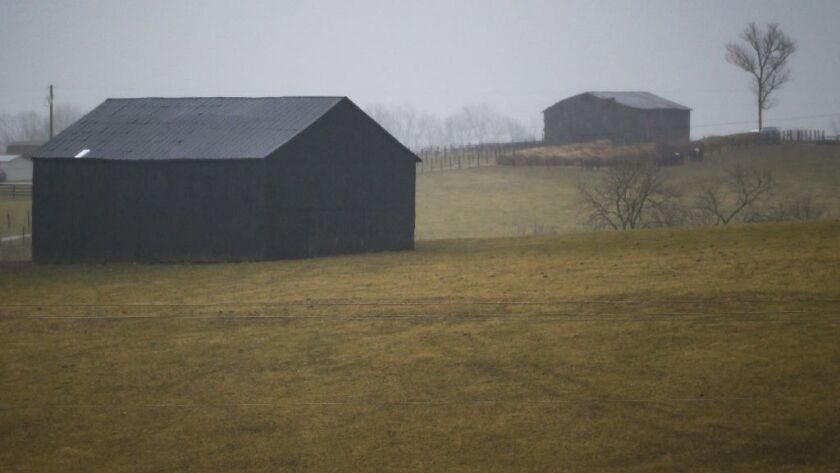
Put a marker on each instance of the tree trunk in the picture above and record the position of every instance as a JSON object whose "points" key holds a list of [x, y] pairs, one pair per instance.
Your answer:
{"points": [[760, 110], [760, 107]]}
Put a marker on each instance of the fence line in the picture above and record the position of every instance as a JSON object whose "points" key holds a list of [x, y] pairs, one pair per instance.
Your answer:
{"points": [[448, 158], [805, 136], [16, 191]]}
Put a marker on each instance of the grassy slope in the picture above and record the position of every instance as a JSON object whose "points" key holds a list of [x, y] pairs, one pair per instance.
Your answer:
{"points": [[16, 210], [538, 388], [505, 201]]}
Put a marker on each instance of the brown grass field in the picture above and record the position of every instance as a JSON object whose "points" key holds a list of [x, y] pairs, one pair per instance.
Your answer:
{"points": [[13, 216], [693, 350]]}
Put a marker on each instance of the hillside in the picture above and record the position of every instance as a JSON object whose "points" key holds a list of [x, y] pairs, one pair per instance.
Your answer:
{"points": [[711, 349], [508, 201]]}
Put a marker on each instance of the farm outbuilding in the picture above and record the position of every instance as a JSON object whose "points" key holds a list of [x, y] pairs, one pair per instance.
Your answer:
{"points": [[16, 167], [622, 117], [221, 179]]}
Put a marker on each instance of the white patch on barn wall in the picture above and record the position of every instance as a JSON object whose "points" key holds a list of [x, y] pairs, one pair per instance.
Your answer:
{"points": [[82, 153]]}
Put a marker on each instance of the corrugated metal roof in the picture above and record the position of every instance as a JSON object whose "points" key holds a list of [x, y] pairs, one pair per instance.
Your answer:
{"points": [[188, 128], [640, 100]]}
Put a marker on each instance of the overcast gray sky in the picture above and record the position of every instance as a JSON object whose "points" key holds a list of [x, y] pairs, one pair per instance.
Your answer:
{"points": [[517, 56]]}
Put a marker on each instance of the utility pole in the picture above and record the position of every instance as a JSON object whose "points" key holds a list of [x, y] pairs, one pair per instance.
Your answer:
{"points": [[51, 99]]}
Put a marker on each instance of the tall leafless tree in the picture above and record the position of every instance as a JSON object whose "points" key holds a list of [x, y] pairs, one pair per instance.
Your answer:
{"points": [[764, 54]]}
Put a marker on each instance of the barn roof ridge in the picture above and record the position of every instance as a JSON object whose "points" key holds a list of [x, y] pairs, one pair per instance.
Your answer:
{"points": [[170, 128], [639, 99]]}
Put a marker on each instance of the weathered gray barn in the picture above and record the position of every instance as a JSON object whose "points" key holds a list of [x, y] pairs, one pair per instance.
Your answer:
{"points": [[623, 117], [221, 179]]}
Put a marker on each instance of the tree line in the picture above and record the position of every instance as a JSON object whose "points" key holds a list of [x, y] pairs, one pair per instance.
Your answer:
{"points": [[471, 125], [35, 127]]}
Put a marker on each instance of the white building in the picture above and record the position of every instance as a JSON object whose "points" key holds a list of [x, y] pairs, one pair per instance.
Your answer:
{"points": [[16, 167]]}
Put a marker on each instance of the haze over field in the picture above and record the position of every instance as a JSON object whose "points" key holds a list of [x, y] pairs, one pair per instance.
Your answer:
{"points": [[519, 57]]}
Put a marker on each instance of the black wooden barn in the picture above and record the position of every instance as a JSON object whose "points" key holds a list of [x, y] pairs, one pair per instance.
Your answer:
{"points": [[221, 179], [622, 117]]}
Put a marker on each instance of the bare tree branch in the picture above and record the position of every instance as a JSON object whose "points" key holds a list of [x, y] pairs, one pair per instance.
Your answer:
{"points": [[742, 189], [630, 195]]}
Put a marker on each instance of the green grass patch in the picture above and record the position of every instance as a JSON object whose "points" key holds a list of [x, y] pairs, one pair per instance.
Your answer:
{"points": [[500, 201]]}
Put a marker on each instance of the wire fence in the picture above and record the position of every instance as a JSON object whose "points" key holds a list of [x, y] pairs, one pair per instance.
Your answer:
{"points": [[450, 158], [16, 191]]}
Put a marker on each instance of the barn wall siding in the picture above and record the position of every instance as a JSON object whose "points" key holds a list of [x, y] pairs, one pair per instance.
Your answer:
{"points": [[151, 211], [586, 118]]}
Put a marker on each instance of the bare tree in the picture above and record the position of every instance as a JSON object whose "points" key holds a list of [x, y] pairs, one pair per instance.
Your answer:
{"points": [[740, 192], [472, 124], [31, 126], [630, 195], [764, 54]]}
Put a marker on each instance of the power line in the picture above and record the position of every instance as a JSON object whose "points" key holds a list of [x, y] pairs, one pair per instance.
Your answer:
{"points": [[827, 115], [423, 402]]}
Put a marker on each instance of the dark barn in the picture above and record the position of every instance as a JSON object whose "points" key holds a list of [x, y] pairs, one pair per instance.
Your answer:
{"points": [[622, 117], [221, 179]]}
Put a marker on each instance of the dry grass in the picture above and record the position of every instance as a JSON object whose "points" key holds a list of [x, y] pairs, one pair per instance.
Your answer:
{"points": [[14, 216], [729, 362], [603, 150]]}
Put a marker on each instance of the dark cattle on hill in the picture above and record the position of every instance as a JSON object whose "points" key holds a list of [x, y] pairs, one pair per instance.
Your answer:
{"points": [[221, 179], [670, 154]]}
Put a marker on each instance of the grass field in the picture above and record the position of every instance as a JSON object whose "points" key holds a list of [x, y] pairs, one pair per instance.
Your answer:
{"points": [[14, 217], [507, 201], [706, 349], [502, 201]]}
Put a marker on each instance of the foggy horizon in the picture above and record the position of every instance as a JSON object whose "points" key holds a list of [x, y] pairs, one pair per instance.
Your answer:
{"points": [[518, 58]]}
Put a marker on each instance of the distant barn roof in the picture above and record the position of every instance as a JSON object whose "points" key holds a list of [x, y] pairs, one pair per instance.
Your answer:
{"points": [[637, 100], [188, 128], [641, 100]]}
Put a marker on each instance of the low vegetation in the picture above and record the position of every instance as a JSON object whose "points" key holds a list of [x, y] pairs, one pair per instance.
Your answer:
{"points": [[506, 201], [667, 349], [15, 217], [602, 152]]}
